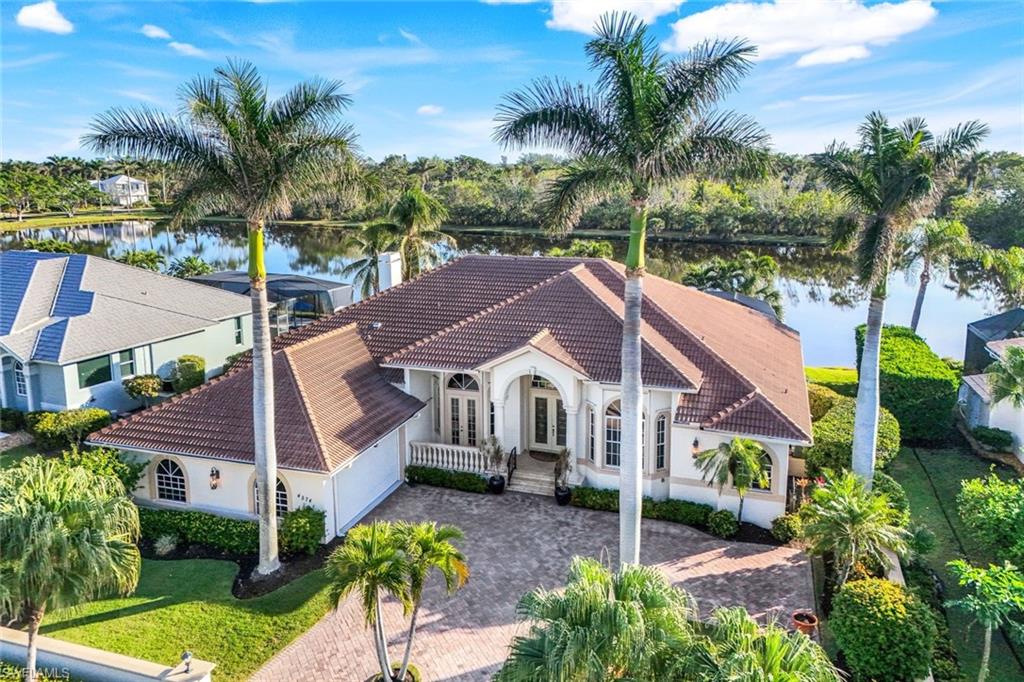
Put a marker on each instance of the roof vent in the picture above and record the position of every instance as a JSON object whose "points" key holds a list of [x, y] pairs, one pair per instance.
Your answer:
{"points": [[375, 325]]}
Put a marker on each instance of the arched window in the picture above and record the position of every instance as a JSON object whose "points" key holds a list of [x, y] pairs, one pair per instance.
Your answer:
{"points": [[541, 382], [281, 497], [463, 382], [170, 481], [19, 379], [767, 465], [613, 434], [660, 440]]}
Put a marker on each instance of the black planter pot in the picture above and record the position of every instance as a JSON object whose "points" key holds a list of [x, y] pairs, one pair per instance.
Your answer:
{"points": [[496, 484], [562, 496]]}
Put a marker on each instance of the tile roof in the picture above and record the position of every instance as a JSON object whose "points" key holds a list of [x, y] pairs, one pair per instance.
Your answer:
{"points": [[1000, 347], [330, 404]]}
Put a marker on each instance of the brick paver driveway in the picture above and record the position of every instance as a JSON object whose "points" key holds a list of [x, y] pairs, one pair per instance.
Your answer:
{"points": [[517, 542]]}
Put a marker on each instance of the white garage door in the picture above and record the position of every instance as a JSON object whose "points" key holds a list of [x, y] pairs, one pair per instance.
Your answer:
{"points": [[370, 478]]}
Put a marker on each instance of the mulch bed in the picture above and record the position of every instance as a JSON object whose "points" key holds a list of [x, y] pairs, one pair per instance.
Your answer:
{"points": [[750, 533]]}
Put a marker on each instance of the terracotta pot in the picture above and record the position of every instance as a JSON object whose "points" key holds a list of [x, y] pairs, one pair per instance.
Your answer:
{"points": [[805, 622]]}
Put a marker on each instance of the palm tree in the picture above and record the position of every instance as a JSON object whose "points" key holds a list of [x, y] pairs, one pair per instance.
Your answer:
{"points": [[428, 548], [146, 259], [602, 626], [1006, 377], [370, 241], [372, 563], [976, 166], [747, 273], [416, 218], [647, 122], [935, 243], [995, 597], [68, 537], [238, 151], [189, 266], [740, 461], [894, 177], [852, 524]]}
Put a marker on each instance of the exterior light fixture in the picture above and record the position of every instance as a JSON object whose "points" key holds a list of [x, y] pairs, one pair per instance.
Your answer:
{"points": [[696, 446], [214, 478], [186, 658]]}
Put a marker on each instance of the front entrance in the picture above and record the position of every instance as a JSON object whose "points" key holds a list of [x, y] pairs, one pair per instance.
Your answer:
{"points": [[547, 417]]}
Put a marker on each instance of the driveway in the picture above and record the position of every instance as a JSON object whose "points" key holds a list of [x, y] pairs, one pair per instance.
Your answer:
{"points": [[515, 543]]}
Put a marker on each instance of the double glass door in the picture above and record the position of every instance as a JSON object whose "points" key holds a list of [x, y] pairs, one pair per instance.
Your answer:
{"points": [[547, 421], [462, 420]]}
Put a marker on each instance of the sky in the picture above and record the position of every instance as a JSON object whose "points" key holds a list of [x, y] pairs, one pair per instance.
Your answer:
{"points": [[426, 77]]}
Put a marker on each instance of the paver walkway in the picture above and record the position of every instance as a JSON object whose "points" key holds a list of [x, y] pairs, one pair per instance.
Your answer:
{"points": [[517, 542]]}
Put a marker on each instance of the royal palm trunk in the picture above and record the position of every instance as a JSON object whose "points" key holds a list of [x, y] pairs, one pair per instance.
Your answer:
{"points": [[35, 619], [263, 404], [865, 425], [926, 277]]}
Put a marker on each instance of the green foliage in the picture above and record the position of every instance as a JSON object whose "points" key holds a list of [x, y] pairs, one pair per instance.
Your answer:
{"points": [[1006, 377], [884, 484], [842, 380], [48, 245], [230, 360], [993, 510], [740, 462], [302, 530], [833, 438], [106, 462], [676, 511], [993, 596], [145, 259], [921, 582], [143, 387], [194, 527], [723, 523], [584, 248], [165, 544], [914, 383], [787, 527], [601, 499], [189, 266], [997, 439], [189, 372], [822, 399], [885, 632], [11, 420], [53, 430], [996, 215], [443, 478], [747, 273]]}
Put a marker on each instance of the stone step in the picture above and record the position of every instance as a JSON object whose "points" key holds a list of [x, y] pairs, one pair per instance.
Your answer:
{"points": [[532, 488]]}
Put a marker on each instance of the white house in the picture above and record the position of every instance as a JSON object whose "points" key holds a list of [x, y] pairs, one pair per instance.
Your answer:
{"points": [[73, 326], [525, 348], [123, 189], [978, 407]]}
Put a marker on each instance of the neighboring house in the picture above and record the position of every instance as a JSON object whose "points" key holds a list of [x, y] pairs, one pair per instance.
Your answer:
{"points": [[73, 326], [976, 397], [1008, 325], [123, 189], [525, 348]]}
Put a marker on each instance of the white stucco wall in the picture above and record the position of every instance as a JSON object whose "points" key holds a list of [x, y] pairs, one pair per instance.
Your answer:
{"points": [[1005, 416], [366, 480]]}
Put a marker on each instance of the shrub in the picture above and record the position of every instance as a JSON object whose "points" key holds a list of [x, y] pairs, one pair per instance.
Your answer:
{"points": [[11, 420], [165, 544], [189, 372], [106, 462], [54, 430], [787, 527], [884, 631], [595, 498], [676, 511], [234, 536], [822, 399], [997, 439], [302, 530], [887, 485], [442, 478], [993, 510], [922, 583], [833, 438], [230, 360], [914, 383], [842, 380], [143, 387], [723, 523]]}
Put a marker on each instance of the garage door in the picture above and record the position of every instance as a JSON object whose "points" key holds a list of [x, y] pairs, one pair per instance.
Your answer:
{"points": [[363, 485]]}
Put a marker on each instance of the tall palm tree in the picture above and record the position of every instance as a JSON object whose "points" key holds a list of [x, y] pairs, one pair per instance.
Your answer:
{"points": [[935, 243], [416, 217], [740, 461], [894, 177], [238, 151], [648, 121], [370, 241], [68, 537], [1006, 378]]}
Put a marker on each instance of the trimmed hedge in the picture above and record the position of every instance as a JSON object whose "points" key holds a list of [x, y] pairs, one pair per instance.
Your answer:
{"points": [[914, 383], [230, 535], [997, 439], [11, 420], [922, 583], [723, 523], [993, 511], [822, 399], [787, 527], [443, 478], [301, 530], [53, 430], [676, 511], [833, 438], [189, 372]]}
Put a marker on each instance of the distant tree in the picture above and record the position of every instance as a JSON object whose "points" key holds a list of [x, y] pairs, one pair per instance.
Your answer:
{"points": [[935, 243], [584, 248], [145, 258], [22, 186], [189, 266], [73, 193], [994, 597], [739, 462], [370, 241], [49, 245], [746, 273], [416, 218]]}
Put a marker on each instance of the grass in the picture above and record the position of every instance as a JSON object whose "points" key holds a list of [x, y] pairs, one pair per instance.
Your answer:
{"points": [[82, 218], [932, 480], [187, 605], [9, 458], [842, 380]]}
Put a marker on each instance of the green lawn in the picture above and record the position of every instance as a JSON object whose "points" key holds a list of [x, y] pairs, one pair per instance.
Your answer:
{"points": [[932, 481], [842, 380], [82, 218], [188, 604], [14, 455]]}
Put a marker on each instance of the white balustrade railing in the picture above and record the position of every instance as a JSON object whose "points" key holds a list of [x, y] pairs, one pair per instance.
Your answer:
{"points": [[444, 456]]}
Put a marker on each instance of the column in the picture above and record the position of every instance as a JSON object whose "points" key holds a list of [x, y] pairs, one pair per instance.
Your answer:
{"points": [[499, 421], [571, 439], [29, 390], [3, 383]]}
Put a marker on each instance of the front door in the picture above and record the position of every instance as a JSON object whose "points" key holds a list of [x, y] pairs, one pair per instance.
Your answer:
{"points": [[462, 420], [547, 421]]}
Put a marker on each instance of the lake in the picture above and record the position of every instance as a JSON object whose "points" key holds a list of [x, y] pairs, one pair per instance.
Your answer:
{"points": [[819, 300]]}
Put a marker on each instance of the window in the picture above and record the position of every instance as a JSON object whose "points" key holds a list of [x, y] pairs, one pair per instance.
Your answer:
{"points": [[126, 363], [766, 464], [660, 440], [281, 497], [471, 423], [435, 397], [463, 382], [491, 420], [612, 434], [541, 382], [239, 337], [94, 371], [19, 379], [170, 481], [591, 437], [456, 423]]}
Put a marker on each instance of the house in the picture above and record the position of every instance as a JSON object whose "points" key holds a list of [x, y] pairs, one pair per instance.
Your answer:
{"points": [[988, 341], [73, 326], [524, 348], [123, 189], [1008, 325]]}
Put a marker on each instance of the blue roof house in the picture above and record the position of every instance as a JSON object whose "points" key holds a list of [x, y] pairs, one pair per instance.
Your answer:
{"points": [[73, 326]]}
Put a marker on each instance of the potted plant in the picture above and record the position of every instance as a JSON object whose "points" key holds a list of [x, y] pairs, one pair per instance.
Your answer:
{"points": [[805, 622], [563, 465], [495, 455]]}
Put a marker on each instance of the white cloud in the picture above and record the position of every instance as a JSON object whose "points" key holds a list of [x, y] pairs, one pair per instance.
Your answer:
{"points": [[430, 110], [29, 61], [44, 16], [581, 15], [155, 32], [820, 32], [187, 49], [830, 98], [138, 95], [410, 36]]}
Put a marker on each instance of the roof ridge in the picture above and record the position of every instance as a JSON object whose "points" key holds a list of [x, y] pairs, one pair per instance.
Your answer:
{"points": [[749, 399], [729, 409], [302, 343], [314, 424]]}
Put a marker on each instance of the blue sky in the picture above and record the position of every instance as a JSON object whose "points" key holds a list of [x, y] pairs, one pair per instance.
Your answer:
{"points": [[425, 77]]}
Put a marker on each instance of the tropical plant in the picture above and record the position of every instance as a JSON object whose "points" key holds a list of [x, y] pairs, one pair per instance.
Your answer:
{"points": [[893, 177], [935, 243], [583, 248], [852, 524], [648, 121], [237, 151], [48, 245], [143, 387], [369, 241], [189, 266], [106, 462], [415, 219], [68, 537], [740, 462], [993, 511], [1006, 377], [145, 259], [747, 274], [994, 597], [21, 187]]}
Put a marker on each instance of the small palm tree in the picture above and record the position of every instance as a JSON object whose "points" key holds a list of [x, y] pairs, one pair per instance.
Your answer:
{"points": [[416, 219], [602, 626], [741, 461], [935, 243], [648, 121], [852, 524], [68, 536], [189, 266], [370, 241], [995, 598], [747, 273], [146, 259], [1006, 378], [893, 177]]}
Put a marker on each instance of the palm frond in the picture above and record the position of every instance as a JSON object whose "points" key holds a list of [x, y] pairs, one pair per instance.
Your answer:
{"points": [[581, 184], [552, 112], [722, 140], [711, 70]]}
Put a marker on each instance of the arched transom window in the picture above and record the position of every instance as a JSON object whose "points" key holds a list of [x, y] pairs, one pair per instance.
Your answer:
{"points": [[170, 481], [280, 501], [463, 382]]}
